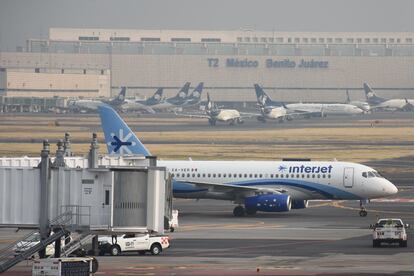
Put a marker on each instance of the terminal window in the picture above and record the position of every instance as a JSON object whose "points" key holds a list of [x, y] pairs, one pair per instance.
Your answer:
{"points": [[391, 40], [150, 39], [279, 39], [375, 40], [383, 40], [359, 40], [350, 40], [321, 40], [313, 40], [89, 38], [329, 40], [119, 38], [210, 40], [239, 39], [367, 40], [409, 40], [182, 39]]}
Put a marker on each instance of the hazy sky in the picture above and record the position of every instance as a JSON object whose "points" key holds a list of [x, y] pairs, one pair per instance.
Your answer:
{"points": [[22, 19]]}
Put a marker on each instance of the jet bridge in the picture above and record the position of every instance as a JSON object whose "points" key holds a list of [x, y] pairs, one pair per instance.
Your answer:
{"points": [[81, 196]]}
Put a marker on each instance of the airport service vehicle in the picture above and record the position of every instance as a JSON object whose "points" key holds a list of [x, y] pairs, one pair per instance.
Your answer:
{"points": [[389, 230], [266, 186], [64, 266], [140, 243], [378, 103], [308, 109]]}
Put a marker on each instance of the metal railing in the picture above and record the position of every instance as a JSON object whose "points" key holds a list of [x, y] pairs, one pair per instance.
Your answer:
{"points": [[80, 215]]}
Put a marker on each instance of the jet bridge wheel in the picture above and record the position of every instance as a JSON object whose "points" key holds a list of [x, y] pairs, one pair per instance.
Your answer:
{"points": [[238, 211]]}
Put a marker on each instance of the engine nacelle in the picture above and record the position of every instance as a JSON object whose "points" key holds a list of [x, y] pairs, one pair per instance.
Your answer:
{"points": [[299, 204], [269, 203]]}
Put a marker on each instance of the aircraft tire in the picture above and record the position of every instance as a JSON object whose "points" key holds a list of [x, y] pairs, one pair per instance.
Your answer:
{"points": [[238, 211], [251, 211]]}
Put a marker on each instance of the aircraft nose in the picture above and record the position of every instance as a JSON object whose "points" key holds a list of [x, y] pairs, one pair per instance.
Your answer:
{"points": [[390, 188]]}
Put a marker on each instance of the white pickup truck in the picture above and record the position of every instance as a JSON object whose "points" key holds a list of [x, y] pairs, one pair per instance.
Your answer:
{"points": [[140, 243], [389, 230]]}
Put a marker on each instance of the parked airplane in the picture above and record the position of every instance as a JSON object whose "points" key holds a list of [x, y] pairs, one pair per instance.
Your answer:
{"points": [[311, 109], [361, 104], [194, 97], [378, 103], [267, 186], [271, 110], [175, 102], [215, 114], [85, 105], [143, 105]]}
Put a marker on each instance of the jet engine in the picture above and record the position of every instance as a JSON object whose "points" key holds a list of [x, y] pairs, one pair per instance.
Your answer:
{"points": [[299, 204], [268, 203]]}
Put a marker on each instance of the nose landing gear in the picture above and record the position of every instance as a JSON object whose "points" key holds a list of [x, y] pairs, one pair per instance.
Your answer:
{"points": [[363, 212]]}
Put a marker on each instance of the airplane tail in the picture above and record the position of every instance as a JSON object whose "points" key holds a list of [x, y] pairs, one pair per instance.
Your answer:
{"points": [[210, 106], [184, 90], [156, 98], [371, 96], [348, 98], [119, 138], [262, 98], [122, 93], [196, 94]]}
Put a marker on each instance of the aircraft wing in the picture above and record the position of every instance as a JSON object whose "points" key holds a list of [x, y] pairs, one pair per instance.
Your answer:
{"points": [[204, 116], [249, 115], [219, 187]]}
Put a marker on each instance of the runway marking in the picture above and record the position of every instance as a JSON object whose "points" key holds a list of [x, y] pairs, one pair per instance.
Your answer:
{"points": [[258, 224]]}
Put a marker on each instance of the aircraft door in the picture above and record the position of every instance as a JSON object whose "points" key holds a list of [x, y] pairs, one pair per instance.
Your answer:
{"points": [[348, 177]]}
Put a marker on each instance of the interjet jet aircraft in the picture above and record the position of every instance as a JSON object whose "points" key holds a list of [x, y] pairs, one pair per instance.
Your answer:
{"points": [[266, 186]]}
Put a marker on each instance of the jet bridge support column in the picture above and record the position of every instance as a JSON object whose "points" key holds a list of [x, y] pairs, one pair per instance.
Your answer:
{"points": [[93, 152], [44, 194]]}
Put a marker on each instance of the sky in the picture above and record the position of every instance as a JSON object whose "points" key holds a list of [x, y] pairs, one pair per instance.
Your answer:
{"points": [[23, 19]]}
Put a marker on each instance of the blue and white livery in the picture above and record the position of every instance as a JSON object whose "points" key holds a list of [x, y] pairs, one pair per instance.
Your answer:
{"points": [[268, 186]]}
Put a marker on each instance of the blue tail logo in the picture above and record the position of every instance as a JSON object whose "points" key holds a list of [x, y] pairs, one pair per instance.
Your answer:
{"points": [[119, 138]]}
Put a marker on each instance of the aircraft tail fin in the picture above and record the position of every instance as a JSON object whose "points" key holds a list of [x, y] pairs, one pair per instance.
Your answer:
{"points": [[122, 93], [262, 98], [156, 98], [119, 138], [348, 98], [196, 94], [184, 90], [371, 96]]}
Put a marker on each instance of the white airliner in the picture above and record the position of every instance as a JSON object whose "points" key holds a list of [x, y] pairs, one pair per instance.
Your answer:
{"points": [[387, 104], [308, 109], [175, 102], [361, 104], [267, 186], [215, 114], [84, 105]]}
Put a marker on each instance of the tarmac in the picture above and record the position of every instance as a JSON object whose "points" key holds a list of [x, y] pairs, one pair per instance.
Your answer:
{"points": [[328, 238]]}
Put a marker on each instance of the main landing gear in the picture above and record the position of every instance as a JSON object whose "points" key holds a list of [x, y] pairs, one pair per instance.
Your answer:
{"points": [[363, 211], [240, 211]]}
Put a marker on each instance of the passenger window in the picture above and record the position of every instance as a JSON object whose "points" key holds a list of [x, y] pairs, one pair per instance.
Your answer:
{"points": [[277, 175], [219, 175], [245, 175], [271, 176], [214, 175], [297, 176], [240, 175], [281, 176], [323, 176], [172, 175], [260, 175], [198, 175], [235, 175], [193, 174], [287, 176], [188, 175], [307, 176], [329, 176], [209, 175], [313, 176], [224, 175], [292, 176], [319, 176], [250, 175], [303, 176], [255, 175]]}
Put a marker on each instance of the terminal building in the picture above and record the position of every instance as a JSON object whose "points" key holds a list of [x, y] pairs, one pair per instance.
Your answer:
{"points": [[292, 66]]}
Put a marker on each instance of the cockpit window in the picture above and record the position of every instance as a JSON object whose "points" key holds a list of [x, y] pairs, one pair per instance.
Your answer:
{"points": [[364, 174], [371, 174]]}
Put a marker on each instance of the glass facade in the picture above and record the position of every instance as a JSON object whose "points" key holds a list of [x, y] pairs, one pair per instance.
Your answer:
{"points": [[188, 48]]}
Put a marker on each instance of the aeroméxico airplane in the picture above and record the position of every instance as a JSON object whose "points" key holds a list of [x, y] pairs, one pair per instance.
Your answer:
{"points": [[387, 104], [267, 186]]}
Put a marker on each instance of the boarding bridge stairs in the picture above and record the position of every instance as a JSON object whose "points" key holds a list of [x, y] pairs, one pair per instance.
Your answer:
{"points": [[31, 244]]}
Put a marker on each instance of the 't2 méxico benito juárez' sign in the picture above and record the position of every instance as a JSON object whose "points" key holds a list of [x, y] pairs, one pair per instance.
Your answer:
{"points": [[269, 63]]}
